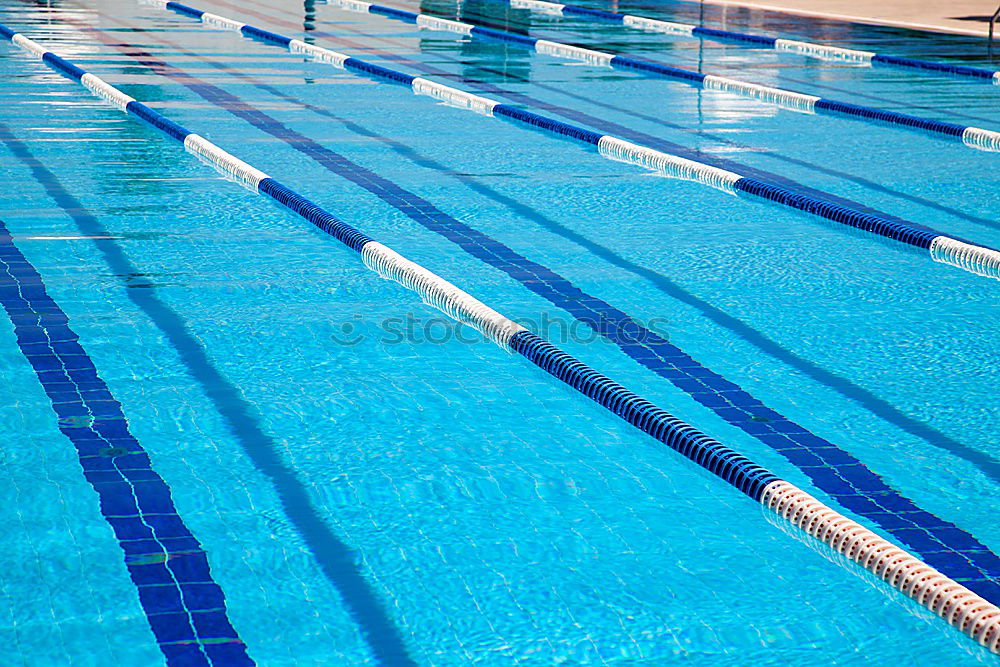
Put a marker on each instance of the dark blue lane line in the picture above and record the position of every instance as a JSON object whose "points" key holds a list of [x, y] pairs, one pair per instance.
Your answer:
{"points": [[943, 545], [335, 558], [874, 404], [185, 608]]}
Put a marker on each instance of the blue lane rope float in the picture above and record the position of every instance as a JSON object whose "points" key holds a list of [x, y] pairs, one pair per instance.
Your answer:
{"points": [[978, 259], [810, 49], [950, 600], [974, 137]]}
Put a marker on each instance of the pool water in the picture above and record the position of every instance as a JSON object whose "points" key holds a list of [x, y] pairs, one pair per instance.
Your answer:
{"points": [[371, 483]]}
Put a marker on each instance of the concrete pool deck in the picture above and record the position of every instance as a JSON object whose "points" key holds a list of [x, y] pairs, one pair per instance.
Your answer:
{"points": [[956, 16]]}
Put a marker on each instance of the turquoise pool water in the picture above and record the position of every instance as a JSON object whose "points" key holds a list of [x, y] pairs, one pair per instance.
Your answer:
{"points": [[370, 483]]}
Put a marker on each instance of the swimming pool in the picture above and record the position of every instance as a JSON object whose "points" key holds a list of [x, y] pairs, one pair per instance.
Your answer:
{"points": [[346, 476]]}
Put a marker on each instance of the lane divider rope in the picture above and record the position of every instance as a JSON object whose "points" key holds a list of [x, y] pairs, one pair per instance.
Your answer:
{"points": [[962, 608], [977, 259], [973, 137], [810, 49]]}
